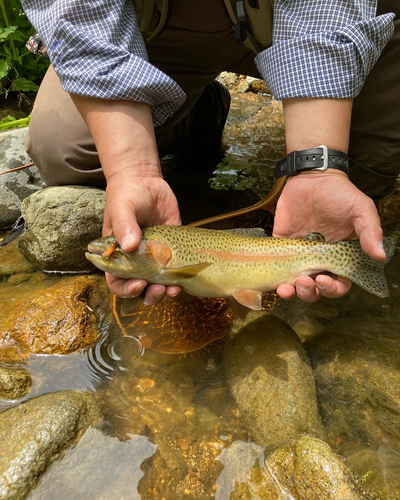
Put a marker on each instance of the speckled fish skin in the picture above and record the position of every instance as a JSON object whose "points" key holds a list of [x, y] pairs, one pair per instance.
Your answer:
{"points": [[213, 263]]}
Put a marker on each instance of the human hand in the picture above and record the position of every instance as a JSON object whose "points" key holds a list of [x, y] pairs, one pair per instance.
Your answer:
{"points": [[134, 202], [137, 195], [330, 204]]}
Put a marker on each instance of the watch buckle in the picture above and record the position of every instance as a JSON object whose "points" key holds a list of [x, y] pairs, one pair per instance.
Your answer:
{"points": [[324, 158]]}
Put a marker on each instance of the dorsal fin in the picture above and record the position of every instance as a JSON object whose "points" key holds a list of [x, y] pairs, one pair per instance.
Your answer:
{"points": [[315, 237], [255, 232]]}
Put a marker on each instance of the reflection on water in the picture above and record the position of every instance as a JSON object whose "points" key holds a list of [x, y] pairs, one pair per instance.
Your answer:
{"points": [[173, 429]]}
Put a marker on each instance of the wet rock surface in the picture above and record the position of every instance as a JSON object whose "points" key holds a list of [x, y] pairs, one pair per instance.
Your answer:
{"points": [[58, 320], [84, 471], [271, 380], [15, 382], [59, 224], [36, 433], [306, 469], [12, 262], [16, 186]]}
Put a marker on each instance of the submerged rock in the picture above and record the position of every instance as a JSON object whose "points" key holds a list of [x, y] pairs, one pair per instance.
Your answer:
{"points": [[12, 262], [358, 387], [36, 433], [271, 380], [85, 472], [16, 186], [15, 382], [59, 224], [57, 320], [306, 469]]}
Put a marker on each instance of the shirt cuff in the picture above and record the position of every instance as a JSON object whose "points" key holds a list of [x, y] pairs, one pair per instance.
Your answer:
{"points": [[327, 65], [95, 68]]}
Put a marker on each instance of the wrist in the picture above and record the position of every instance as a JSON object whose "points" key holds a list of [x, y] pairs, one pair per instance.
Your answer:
{"points": [[318, 159]]}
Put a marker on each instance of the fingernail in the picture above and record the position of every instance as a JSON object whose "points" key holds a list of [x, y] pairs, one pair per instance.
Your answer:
{"points": [[154, 300], [304, 288], [382, 247], [128, 241]]}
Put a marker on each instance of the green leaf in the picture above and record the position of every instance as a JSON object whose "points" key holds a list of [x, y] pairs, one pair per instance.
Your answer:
{"points": [[8, 119], [10, 122], [23, 23], [18, 36], [4, 68], [6, 32], [24, 85]]}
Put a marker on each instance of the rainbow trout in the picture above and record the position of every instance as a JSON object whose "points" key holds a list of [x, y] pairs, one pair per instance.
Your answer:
{"points": [[238, 263]]}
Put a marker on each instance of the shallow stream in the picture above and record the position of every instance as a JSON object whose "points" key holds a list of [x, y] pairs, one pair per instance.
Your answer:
{"points": [[171, 418]]}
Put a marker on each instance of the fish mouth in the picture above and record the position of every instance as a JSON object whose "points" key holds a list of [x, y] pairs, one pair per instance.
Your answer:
{"points": [[103, 255], [107, 256], [97, 247]]}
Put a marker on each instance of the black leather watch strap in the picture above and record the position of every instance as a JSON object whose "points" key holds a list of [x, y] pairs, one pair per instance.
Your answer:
{"points": [[319, 158]]}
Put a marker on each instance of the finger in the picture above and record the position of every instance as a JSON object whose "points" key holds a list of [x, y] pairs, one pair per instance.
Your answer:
{"points": [[154, 294], [286, 292], [307, 290], [125, 288], [368, 229], [371, 240], [173, 290], [331, 288], [126, 229]]}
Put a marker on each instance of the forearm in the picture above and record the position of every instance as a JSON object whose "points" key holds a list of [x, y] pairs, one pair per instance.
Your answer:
{"points": [[312, 122], [123, 134]]}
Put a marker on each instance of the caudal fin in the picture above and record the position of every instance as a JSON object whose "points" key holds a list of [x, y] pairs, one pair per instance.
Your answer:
{"points": [[369, 274]]}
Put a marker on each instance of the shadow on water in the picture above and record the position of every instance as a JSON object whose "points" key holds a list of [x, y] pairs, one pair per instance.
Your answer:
{"points": [[172, 425]]}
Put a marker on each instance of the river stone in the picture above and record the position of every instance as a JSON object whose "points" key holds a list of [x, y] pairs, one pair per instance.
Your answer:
{"points": [[85, 472], [57, 320], [310, 470], [304, 469], [15, 382], [358, 387], [258, 85], [16, 186], [271, 380], [12, 262], [59, 224], [36, 433]]}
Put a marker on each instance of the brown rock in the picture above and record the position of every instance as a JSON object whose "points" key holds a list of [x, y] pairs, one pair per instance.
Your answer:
{"points": [[304, 469], [13, 262], [15, 382], [271, 380], [58, 320]]}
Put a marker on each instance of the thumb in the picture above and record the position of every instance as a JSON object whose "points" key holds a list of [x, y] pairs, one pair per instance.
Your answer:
{"points": [[368, 229], [126, 230]]}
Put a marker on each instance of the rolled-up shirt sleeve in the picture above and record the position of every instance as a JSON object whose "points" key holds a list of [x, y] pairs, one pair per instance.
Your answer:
{"points": [[323, 48], [97, 50]]}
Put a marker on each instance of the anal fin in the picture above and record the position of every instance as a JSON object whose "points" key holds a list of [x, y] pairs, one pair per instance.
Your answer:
{"points": [[248, 298]]}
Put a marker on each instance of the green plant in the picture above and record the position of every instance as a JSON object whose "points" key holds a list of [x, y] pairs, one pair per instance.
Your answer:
{"points": [[10, 122], [19, 68]]}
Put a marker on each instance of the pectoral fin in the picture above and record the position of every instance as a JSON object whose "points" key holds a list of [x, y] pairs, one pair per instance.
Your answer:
{"points": [[315, 237], [185, 272], [248, 298]]}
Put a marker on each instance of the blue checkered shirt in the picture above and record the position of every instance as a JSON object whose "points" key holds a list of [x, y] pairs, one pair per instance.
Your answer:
{"points": [[320, 48]]}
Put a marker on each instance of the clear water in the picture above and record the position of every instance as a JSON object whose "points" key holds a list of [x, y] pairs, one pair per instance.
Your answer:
{"points": [[171, 417]]}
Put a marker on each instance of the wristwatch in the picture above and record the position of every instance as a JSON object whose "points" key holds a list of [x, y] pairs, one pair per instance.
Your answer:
{"points": [[319, 158]]}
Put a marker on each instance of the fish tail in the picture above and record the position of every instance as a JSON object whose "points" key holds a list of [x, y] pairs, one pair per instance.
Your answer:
{"points": [[369, 274]]}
